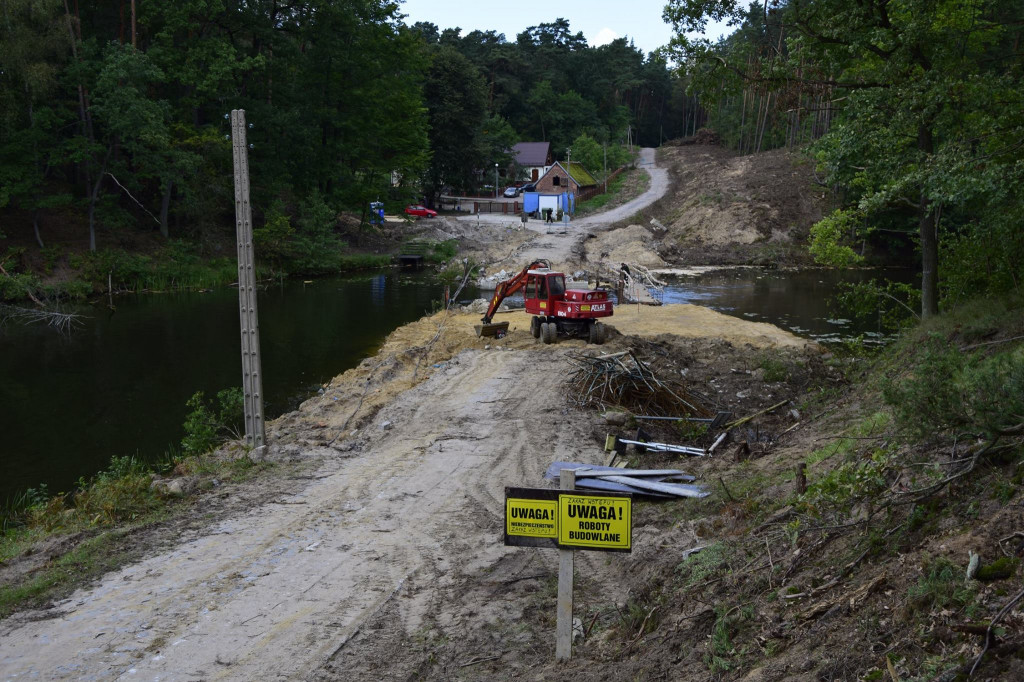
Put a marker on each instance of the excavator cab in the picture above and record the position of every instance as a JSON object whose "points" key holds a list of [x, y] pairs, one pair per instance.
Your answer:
{"points": [[543, 290]]}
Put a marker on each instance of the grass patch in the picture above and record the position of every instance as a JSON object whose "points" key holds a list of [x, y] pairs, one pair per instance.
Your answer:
{"points": [[846, 444], [89, 559], [775, 370], [940, 587], [722, 654], [710, 562], [616, 187]]}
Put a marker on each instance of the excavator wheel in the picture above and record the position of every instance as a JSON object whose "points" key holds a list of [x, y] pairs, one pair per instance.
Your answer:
{"points": [[548, 331], [597, 333], [535, 326]]}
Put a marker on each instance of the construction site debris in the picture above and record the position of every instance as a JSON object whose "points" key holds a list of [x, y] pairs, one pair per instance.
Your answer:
{"points": [[594, 470], [623, 380], [665, 447], [650, 482], [713, 422]]}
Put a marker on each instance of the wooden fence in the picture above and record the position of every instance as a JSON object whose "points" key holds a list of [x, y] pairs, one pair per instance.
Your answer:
{"points": [[511, 208], [594, 190]]}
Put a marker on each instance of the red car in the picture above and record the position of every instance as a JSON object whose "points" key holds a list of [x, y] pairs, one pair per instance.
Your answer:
{"points": [[420, 211]]}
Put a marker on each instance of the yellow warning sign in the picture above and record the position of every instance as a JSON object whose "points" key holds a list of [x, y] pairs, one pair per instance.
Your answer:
{"points": [[595, 522], [531, 518]]}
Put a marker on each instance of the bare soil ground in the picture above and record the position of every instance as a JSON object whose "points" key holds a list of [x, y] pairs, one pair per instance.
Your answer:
{"points": [[738, 209]]}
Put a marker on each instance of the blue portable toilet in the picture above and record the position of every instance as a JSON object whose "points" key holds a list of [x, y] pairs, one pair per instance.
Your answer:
{"points": [[376, 212]]}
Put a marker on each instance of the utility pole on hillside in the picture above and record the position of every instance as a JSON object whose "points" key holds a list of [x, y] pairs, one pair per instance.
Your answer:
{"points": [[252, 374]]}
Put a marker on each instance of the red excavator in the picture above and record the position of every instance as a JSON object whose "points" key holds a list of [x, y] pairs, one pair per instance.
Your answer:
{"points": [[555, 310]]}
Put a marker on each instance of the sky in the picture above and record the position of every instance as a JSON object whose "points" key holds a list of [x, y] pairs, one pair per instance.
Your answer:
{"points": [[601, 21]]}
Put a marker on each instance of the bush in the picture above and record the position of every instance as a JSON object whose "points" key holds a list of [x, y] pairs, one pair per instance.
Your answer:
{"points": [[941, 587], [830, 236], [119, 493], [895, 303], [953, 391], [207, 425]]}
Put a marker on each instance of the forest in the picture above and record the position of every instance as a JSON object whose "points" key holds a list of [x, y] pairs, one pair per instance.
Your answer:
{"points": [[113, 120], [912, 111]]}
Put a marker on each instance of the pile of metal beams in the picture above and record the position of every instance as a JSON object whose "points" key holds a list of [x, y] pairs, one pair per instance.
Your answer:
{"points": [[650, 482]]}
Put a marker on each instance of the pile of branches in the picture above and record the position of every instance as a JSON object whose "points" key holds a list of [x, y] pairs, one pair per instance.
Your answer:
{"points": [[623, 380], [62, 322]]}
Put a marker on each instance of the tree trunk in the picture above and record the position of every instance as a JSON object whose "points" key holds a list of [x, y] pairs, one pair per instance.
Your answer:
{"points": [[93, 197], [927, 226], [35, 228], [165, 207]]}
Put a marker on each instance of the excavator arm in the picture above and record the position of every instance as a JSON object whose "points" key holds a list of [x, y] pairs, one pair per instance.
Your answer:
{"points": [[509, 287]]}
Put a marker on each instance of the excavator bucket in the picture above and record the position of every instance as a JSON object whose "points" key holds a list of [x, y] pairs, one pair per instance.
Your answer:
{"points": [[495, 329]]}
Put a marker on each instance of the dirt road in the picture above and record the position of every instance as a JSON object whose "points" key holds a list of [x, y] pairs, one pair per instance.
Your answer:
{"points": [[276, 592], [391, 546], [659, 185], [555, 241]]}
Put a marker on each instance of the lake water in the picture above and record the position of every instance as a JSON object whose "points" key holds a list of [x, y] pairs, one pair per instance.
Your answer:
{"points": [[800, 301], [118, 384]]}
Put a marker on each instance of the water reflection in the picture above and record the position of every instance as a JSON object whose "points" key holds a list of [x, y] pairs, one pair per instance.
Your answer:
{"points": [[119, 384], [801, 301]]}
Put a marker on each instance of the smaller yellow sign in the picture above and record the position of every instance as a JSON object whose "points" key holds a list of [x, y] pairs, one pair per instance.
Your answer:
{"points": [[531, 518], [585, 307], [595, 522]]}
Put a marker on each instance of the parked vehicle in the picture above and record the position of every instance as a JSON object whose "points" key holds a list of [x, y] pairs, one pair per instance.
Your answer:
{"points": [[420, 211], [511, 192], [529, 187]]}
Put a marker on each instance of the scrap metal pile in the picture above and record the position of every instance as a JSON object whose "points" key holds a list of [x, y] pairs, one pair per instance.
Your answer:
{"points": [[623, 380], [649, 482]]}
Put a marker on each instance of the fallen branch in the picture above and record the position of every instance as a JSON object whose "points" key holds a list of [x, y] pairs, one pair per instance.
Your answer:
{"points": [[62, 322], [991, 343], [744, 420], [482, 660], [1017, 534], [988, 632], [919, 494], [139, 203]]}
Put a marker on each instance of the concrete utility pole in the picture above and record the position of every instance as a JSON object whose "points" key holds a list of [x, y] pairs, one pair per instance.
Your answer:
{"points": [[252, 375], [495, 181], [566, 566]]}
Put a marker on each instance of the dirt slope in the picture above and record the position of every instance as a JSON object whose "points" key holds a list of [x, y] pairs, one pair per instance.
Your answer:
{"points": [[728, 208]]}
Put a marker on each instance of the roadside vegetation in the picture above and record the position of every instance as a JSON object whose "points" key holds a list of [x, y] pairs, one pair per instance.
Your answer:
{"points": [[913, 120], [81, 534], [622, 188]]}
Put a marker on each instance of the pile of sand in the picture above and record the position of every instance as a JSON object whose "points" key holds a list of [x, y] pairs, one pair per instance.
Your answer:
{"points": [[634, 245]]}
